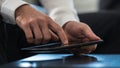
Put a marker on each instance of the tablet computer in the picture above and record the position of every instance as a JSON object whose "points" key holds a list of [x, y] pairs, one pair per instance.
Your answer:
{"points": [[59, 46]]}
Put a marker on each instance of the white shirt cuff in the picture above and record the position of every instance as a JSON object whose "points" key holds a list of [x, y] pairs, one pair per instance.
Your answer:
{"points": [[61, 11], [63, 15], [8, 10]]}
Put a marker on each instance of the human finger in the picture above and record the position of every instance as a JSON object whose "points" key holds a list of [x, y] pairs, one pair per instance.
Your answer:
{"points": [[59, 31]]}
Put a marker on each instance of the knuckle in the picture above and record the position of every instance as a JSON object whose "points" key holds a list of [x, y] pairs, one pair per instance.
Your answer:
{"points": [[42, 19], [24, 23], [31, 20], [18, 18]]}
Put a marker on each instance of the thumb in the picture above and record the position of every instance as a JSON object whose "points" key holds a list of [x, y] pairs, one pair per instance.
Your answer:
{"points": [[90, 34]]}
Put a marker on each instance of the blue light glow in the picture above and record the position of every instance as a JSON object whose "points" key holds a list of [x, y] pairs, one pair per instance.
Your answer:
{"points": [[25, 64]]}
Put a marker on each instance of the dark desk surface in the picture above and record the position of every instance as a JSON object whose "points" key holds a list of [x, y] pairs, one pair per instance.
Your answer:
{"points": [[67, 61]]}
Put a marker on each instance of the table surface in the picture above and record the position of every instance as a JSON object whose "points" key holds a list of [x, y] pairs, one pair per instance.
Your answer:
{"points": [[67, 60]]}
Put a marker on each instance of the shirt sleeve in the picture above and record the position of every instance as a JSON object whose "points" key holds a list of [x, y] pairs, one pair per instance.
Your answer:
{"points": [[61, 11], [7, 9]]}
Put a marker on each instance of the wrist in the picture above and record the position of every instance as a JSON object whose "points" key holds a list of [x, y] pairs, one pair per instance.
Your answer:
{"points": [[21, 9], [69, 23]]}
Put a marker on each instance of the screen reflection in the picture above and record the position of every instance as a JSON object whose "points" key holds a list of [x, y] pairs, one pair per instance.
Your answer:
{"points": [[27, 64], [64, 61]]}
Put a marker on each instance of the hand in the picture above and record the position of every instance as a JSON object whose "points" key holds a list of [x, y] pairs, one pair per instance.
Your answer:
{"points": [[79, 32], [38, 27]]}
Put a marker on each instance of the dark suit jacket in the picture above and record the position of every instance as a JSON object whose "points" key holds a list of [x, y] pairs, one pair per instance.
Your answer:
{"points": [[113, 5]]}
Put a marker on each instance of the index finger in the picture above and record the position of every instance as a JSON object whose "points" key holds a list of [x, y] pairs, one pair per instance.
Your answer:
{"points": [[59, 31]]}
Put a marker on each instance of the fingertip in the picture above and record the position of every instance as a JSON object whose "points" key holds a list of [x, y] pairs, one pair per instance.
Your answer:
{"points": [[97, 38], [93, 37], [65, 43], [30, 40]]}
